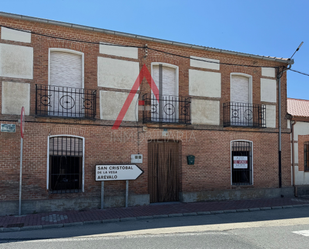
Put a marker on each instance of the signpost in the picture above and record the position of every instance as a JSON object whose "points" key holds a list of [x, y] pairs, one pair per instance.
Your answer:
{"points": [[116, 173], [22, 128]]}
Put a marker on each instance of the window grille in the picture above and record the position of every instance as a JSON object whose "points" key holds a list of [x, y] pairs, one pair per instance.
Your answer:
{"points": [[65, 160], [244, 114], [166, 109], [306, 156], [66, 102], [241, 163]]}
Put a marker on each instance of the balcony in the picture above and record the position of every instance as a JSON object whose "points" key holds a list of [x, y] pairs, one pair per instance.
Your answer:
{"points": [[166, 109], [244, 114], [65, 102]]}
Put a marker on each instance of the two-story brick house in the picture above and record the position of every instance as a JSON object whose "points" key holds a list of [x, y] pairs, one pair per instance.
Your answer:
{"points": [[219, 106], [298, 113]]}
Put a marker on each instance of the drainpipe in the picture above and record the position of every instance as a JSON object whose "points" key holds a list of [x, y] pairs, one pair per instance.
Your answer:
{"points": [[279, 75], [293, 157], [279, 124]]}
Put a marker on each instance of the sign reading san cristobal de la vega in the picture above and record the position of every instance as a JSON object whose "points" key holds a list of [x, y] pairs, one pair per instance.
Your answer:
{"points": [[117, 172]]}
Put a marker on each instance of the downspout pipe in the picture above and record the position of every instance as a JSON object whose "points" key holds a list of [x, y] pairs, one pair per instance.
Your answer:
{"points": [[279, 75], [293, 158]]}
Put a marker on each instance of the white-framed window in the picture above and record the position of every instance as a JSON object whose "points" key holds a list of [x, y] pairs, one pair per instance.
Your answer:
{"points": [[66, 83], [65, 163], [166, 78], [66, 68], [241, 88], [241, 162], [241, 108]]}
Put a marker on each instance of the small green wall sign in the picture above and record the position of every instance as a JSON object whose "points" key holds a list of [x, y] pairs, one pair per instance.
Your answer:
{"points": [[8, 128]]}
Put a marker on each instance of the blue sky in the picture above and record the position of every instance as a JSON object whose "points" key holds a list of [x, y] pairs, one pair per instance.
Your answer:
{"points": [[263, 27]]}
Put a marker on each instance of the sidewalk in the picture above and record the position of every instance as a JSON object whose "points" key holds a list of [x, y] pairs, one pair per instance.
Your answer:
{"points": [[162, 210]]}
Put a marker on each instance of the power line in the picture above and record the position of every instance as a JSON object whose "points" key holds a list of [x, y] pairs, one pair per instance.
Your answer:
{"points": [[192, 58], [299, 72], [143, 47]]}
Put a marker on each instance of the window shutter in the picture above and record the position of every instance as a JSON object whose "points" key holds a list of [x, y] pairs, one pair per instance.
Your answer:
{"points": [[240, 89], [65, 69]]}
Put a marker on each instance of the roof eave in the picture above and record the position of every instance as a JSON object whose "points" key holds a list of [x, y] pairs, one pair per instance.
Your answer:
{"points": [[106, 31]]}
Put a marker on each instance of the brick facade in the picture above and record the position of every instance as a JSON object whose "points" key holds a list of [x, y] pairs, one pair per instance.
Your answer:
{"points": [[210, 144]]}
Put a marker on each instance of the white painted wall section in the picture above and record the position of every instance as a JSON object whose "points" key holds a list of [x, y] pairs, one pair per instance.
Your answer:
{"points": [[205, 84], [296, 153], [268, 72], [268, 90], [16, 61], [111, 103], [119, 51], [301, 177], [270, 116], [300, 128], [205, 112], [15, 35], [204, 63], [14, 96], [118, 74]]}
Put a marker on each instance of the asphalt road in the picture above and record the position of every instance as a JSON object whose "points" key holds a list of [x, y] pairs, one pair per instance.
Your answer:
{"points": [[279, 228]]}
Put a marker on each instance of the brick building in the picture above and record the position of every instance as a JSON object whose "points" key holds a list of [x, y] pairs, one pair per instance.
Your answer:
{"points": [[298, 113], [219, 106]]}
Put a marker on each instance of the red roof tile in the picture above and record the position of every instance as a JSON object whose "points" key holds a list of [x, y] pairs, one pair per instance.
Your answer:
{"points": [[298, 107]]}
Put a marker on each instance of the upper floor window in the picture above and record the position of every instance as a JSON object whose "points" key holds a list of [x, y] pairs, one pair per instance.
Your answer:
{"points": [[65, 95], [168, 106], [240, 111], [306, 156]]}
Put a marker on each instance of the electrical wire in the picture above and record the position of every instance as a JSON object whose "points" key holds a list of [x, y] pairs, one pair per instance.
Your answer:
{"points": [[299, 72], [142, 47], [192, 58], [72, 40]]}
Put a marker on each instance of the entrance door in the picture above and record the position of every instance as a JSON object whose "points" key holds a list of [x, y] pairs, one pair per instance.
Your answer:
{"points": [[163, 161]]}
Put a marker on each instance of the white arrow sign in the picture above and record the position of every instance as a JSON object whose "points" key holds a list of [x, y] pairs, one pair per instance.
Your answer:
{"points": [[117, 172]]}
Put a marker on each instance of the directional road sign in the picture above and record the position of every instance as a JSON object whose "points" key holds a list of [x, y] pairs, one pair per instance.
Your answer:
{"points": [[117, 172]]}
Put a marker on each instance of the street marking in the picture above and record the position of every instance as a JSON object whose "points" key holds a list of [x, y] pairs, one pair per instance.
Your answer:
{"points": [[110, 237], [302, 232]]}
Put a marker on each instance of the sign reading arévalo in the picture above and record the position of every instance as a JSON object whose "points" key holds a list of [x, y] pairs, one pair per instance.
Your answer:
{"points": [[117, 172], [240, 162]]}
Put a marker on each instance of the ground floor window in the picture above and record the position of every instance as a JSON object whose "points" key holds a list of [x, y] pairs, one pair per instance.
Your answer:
{"points": [[241, 163], [65, 164], [306, 156]]}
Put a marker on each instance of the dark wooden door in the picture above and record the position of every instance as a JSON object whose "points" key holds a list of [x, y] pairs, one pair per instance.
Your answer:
{"points": [[163, 161]]}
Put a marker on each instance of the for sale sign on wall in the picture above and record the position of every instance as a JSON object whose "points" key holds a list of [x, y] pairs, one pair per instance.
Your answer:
{"points": [[240, 162]]}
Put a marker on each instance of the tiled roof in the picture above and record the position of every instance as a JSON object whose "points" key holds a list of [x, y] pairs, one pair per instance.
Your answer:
{"points": [[65, 24], [298, 107]]}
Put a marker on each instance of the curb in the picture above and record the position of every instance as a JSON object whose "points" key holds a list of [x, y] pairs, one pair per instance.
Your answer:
{"points": [[38, 227]]}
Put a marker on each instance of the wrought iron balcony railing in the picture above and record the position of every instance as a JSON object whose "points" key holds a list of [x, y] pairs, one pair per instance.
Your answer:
{"points": [[166, 109], [58, 101], [244, 114]]}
